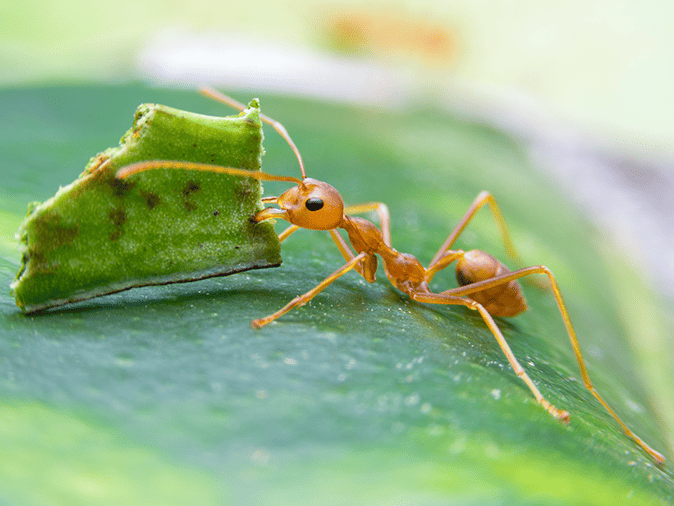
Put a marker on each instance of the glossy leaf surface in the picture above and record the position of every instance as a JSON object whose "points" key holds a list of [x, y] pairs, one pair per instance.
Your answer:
{"points": [[361, 396]]}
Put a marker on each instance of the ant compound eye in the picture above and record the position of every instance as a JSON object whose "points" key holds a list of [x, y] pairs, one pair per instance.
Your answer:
{"points": [[314, 204]]}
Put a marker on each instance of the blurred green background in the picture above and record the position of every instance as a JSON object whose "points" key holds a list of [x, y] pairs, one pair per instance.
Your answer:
{"points": [[583, 89]]}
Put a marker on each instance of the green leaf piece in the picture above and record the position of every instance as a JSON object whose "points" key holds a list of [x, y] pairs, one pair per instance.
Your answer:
{"points": [[101, 235]]}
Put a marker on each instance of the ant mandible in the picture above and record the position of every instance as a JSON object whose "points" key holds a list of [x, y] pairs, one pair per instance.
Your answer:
{"points": [[486, 285]]}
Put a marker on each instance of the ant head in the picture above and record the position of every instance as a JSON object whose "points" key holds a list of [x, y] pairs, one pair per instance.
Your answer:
{"points": [[312, 204]]}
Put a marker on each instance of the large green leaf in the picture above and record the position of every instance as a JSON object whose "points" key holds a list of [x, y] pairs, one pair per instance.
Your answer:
{"points": [[165, 395]]}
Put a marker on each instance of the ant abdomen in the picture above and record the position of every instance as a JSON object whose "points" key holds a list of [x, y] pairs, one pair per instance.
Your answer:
{"points": [[505, 299]]}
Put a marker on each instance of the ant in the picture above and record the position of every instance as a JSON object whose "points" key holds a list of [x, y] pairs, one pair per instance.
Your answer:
{"points": [[485, 284]]}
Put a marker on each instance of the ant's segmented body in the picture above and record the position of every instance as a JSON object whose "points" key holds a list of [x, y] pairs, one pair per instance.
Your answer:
{"points": [[486, 285]]}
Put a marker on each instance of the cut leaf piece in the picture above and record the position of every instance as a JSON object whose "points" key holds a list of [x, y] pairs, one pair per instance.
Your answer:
{"points": [[101, 235]]}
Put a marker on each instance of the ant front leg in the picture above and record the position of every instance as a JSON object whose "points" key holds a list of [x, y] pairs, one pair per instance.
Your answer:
{"points": [[288, 231], [303, 299]]}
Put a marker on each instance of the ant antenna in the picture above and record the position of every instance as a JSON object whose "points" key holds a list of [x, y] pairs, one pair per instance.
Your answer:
{"points": [[135, 168], [220, 97]]}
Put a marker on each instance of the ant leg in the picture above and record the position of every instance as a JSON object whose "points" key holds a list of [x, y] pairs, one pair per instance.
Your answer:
{"points": [[303, 299], [446, 259], [482, 199], [348, 254], [382, 212], [444, 298], [343, 246], [287, 232], [541, 269]]}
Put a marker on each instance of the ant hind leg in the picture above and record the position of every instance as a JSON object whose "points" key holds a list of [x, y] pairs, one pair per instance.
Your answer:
{"points": [[541, 269], [443, 298]]}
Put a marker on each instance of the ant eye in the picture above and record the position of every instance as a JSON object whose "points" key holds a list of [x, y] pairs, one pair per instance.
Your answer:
{"points": [[314, 204]]}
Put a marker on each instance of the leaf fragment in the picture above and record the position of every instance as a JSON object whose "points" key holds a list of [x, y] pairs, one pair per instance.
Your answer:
{"points": [[101, 235]]}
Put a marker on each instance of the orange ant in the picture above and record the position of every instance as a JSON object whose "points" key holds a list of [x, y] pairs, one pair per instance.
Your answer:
{"points": [[486, 285]]}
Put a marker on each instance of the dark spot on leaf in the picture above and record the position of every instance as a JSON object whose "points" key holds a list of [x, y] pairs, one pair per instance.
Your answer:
{"points": [[152, 200], [51, 233], [216, 213], [39, 263], [118, 218], [190, 188], [187, 191], [121, 187]]}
